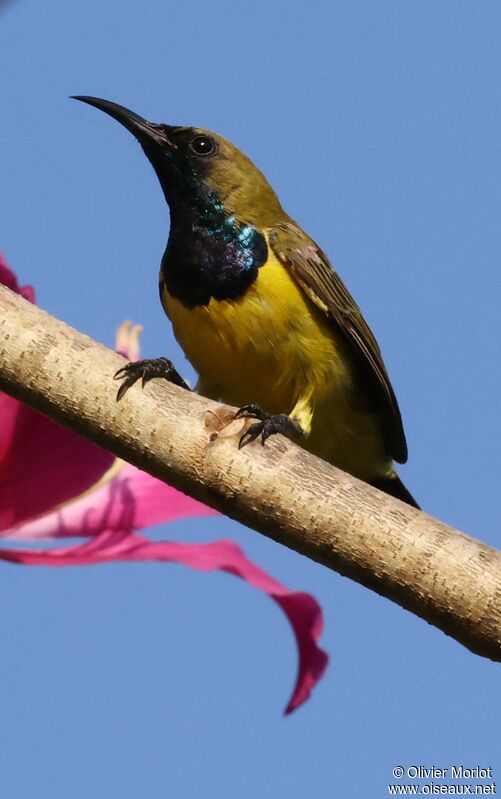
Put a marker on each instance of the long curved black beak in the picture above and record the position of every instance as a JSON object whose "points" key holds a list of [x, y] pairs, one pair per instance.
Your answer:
{"points": [[144, 131]]}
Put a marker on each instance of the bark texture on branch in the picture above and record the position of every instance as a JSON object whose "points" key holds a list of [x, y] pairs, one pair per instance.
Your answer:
{"points": [[451, 580]]}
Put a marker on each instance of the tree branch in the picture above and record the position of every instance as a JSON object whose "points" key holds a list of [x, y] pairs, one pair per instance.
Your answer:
{"points": [[442, 575]]}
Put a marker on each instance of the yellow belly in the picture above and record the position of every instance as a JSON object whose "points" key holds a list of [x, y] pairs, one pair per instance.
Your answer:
{"points": [[275, 348]]}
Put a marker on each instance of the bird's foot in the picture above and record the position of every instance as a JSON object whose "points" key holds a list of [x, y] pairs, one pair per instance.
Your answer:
{"points": [[268, 424], [146, 370]]}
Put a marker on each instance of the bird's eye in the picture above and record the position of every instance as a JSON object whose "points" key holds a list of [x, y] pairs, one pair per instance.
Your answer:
{"points": [[202, 145]]}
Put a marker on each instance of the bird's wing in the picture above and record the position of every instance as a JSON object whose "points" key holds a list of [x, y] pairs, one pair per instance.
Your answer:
{"points": [[313, 272]]}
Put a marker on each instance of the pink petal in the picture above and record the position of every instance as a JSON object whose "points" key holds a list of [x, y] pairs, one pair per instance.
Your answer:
{"points": [[41, 463], [45, 465], [8, 405], [302, 610], [8, 278], [129, 500], [9, 408], [127, 340]]}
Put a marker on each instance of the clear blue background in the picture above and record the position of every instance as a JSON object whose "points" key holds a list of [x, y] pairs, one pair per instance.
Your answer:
{"points": [[378, 122]]}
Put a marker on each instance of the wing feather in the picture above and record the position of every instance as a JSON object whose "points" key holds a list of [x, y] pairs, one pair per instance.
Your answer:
{"points": [[314, 273]]}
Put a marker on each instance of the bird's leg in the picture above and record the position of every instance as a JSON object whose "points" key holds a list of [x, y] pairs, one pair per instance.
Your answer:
{"points": [[267, 425], [146, 370]]}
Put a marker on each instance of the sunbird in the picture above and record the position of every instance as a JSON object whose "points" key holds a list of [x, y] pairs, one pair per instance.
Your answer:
{"points": [[260, 312]]}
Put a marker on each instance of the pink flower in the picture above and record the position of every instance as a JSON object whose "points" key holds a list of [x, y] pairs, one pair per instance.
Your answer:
{"points": [[55, 484]]}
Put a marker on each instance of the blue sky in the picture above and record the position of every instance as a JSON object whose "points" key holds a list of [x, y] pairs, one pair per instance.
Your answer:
{"points": [[377, 122]]}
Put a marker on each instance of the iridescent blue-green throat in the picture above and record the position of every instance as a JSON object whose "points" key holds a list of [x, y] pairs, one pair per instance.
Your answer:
{"points": [[210, 253]]}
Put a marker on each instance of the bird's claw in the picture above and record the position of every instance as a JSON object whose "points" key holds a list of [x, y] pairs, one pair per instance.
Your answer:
{"points": [[251, 412], [268, 424], [146, 370]]}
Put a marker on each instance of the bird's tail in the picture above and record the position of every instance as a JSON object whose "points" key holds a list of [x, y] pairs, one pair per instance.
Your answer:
{"points": [[393, 485]]}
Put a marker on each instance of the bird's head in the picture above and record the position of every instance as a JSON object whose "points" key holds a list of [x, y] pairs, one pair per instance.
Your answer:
{"points": [[193, 164]]}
